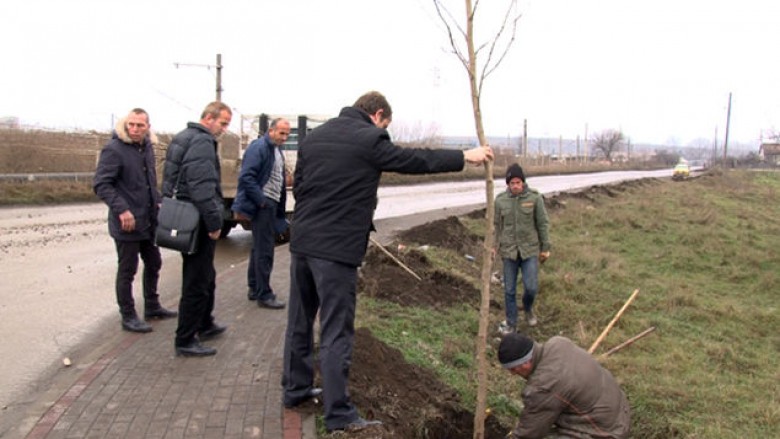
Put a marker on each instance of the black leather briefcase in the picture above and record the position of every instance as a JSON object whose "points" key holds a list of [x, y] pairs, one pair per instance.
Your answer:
{"points": [[177, 226]]}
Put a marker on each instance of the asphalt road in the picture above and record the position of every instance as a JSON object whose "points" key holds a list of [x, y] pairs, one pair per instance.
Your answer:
{"points": [[58, 266]]}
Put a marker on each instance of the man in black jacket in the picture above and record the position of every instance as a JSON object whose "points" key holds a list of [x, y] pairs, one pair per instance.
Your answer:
{"points": [[126, 180], [336, 179], [192, 171]]}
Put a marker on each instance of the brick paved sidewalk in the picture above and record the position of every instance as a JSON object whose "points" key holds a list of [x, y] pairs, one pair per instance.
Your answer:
{"points": [[140, 389]]}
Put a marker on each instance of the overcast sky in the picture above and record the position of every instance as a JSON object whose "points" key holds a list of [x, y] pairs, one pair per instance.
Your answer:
{"points": [[660, 71]]}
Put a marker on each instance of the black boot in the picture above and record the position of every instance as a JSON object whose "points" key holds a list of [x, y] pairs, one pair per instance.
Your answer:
{"points": [[211, 332], [134, 324], [195, 349], [159, 312]]}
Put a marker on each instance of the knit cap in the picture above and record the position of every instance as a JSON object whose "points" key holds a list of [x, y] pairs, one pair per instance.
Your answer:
{"points": [[514, 171], [514, 350]]}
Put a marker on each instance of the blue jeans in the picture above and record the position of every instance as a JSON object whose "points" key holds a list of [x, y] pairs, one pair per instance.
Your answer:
{"points": [[529, 269]]}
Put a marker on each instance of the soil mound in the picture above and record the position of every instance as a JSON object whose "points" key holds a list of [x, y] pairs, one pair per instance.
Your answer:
{"points": [[593, 193], [383, 278], [446, 233], [409, 400]]}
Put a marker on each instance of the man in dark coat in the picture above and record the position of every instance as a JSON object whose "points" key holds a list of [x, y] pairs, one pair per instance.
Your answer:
{"points": [[261, 198], [192, 172], [567, 395], [126, 180], [336, 179]]}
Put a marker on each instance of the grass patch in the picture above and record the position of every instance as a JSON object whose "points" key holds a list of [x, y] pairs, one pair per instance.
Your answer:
{"points": [[42, 192], [705, 254]]}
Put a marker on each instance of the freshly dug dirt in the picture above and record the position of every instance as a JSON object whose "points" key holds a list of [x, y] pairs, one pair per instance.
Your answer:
{"points": [[410, 400], [446, 233], [383, 278]]}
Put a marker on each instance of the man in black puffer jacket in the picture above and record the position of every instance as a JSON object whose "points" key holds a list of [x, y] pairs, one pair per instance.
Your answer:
{"points": [[126, 180], [336, 179], [192, 171]]}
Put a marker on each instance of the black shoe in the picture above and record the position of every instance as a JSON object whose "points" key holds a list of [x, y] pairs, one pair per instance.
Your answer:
{"points": [[195, 349], [251, 294], [360, 424], [314, 392], [134, 324], [159, 313], [270, 303], [212, 331]]}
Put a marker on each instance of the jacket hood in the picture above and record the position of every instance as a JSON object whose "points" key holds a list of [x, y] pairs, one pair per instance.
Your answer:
{"points": [[120, 130]]}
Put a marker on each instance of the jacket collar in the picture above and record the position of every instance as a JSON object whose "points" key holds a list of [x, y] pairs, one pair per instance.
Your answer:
{"points": [[523, 192], [120, 132], [355, 113]]}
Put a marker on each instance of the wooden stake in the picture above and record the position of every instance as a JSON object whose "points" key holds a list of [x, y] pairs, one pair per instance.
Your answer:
{"points": [[612, 323], [628, 342], [397, 261]]}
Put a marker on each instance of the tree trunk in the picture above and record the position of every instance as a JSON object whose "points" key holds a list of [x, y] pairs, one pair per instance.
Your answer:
{"points": [[487, 259]]}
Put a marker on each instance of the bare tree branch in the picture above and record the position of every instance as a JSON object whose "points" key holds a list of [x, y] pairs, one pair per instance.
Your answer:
{"points": [[441, 10], [488, 70]]}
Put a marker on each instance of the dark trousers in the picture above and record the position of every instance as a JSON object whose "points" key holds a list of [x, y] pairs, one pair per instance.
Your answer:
{"points": [[197, 290], [261, 260], [330, 287], [127, 254]]}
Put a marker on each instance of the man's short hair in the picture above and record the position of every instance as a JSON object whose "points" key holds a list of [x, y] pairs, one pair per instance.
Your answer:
{"points": [[215, 109], [372, 102], [139, 110], [275, 122]]}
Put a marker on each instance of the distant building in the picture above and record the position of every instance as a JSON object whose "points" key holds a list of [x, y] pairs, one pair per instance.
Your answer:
{"points": [[10, 122], [770, 151]]}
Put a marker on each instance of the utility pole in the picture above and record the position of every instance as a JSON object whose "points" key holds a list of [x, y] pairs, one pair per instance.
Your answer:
{"points": [[726, 141], [587, 150], [219, 77], [578, 157], [715, 146], [218, 67], [560, 148], [525, 138], [628, 150]]}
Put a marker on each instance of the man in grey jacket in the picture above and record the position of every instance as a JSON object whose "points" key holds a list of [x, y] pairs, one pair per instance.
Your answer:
{"points": [[126, 180], [567, 393]]}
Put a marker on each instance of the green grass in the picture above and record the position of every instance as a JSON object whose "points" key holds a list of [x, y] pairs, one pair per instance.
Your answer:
{"points": [[705, 255], [46, 192]]}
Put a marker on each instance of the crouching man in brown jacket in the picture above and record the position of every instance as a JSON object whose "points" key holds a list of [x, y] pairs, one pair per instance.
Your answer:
{"points": [[567, 393]]}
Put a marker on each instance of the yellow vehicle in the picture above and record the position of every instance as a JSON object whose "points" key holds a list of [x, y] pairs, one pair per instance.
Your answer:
{"points": [[681, 171]]}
